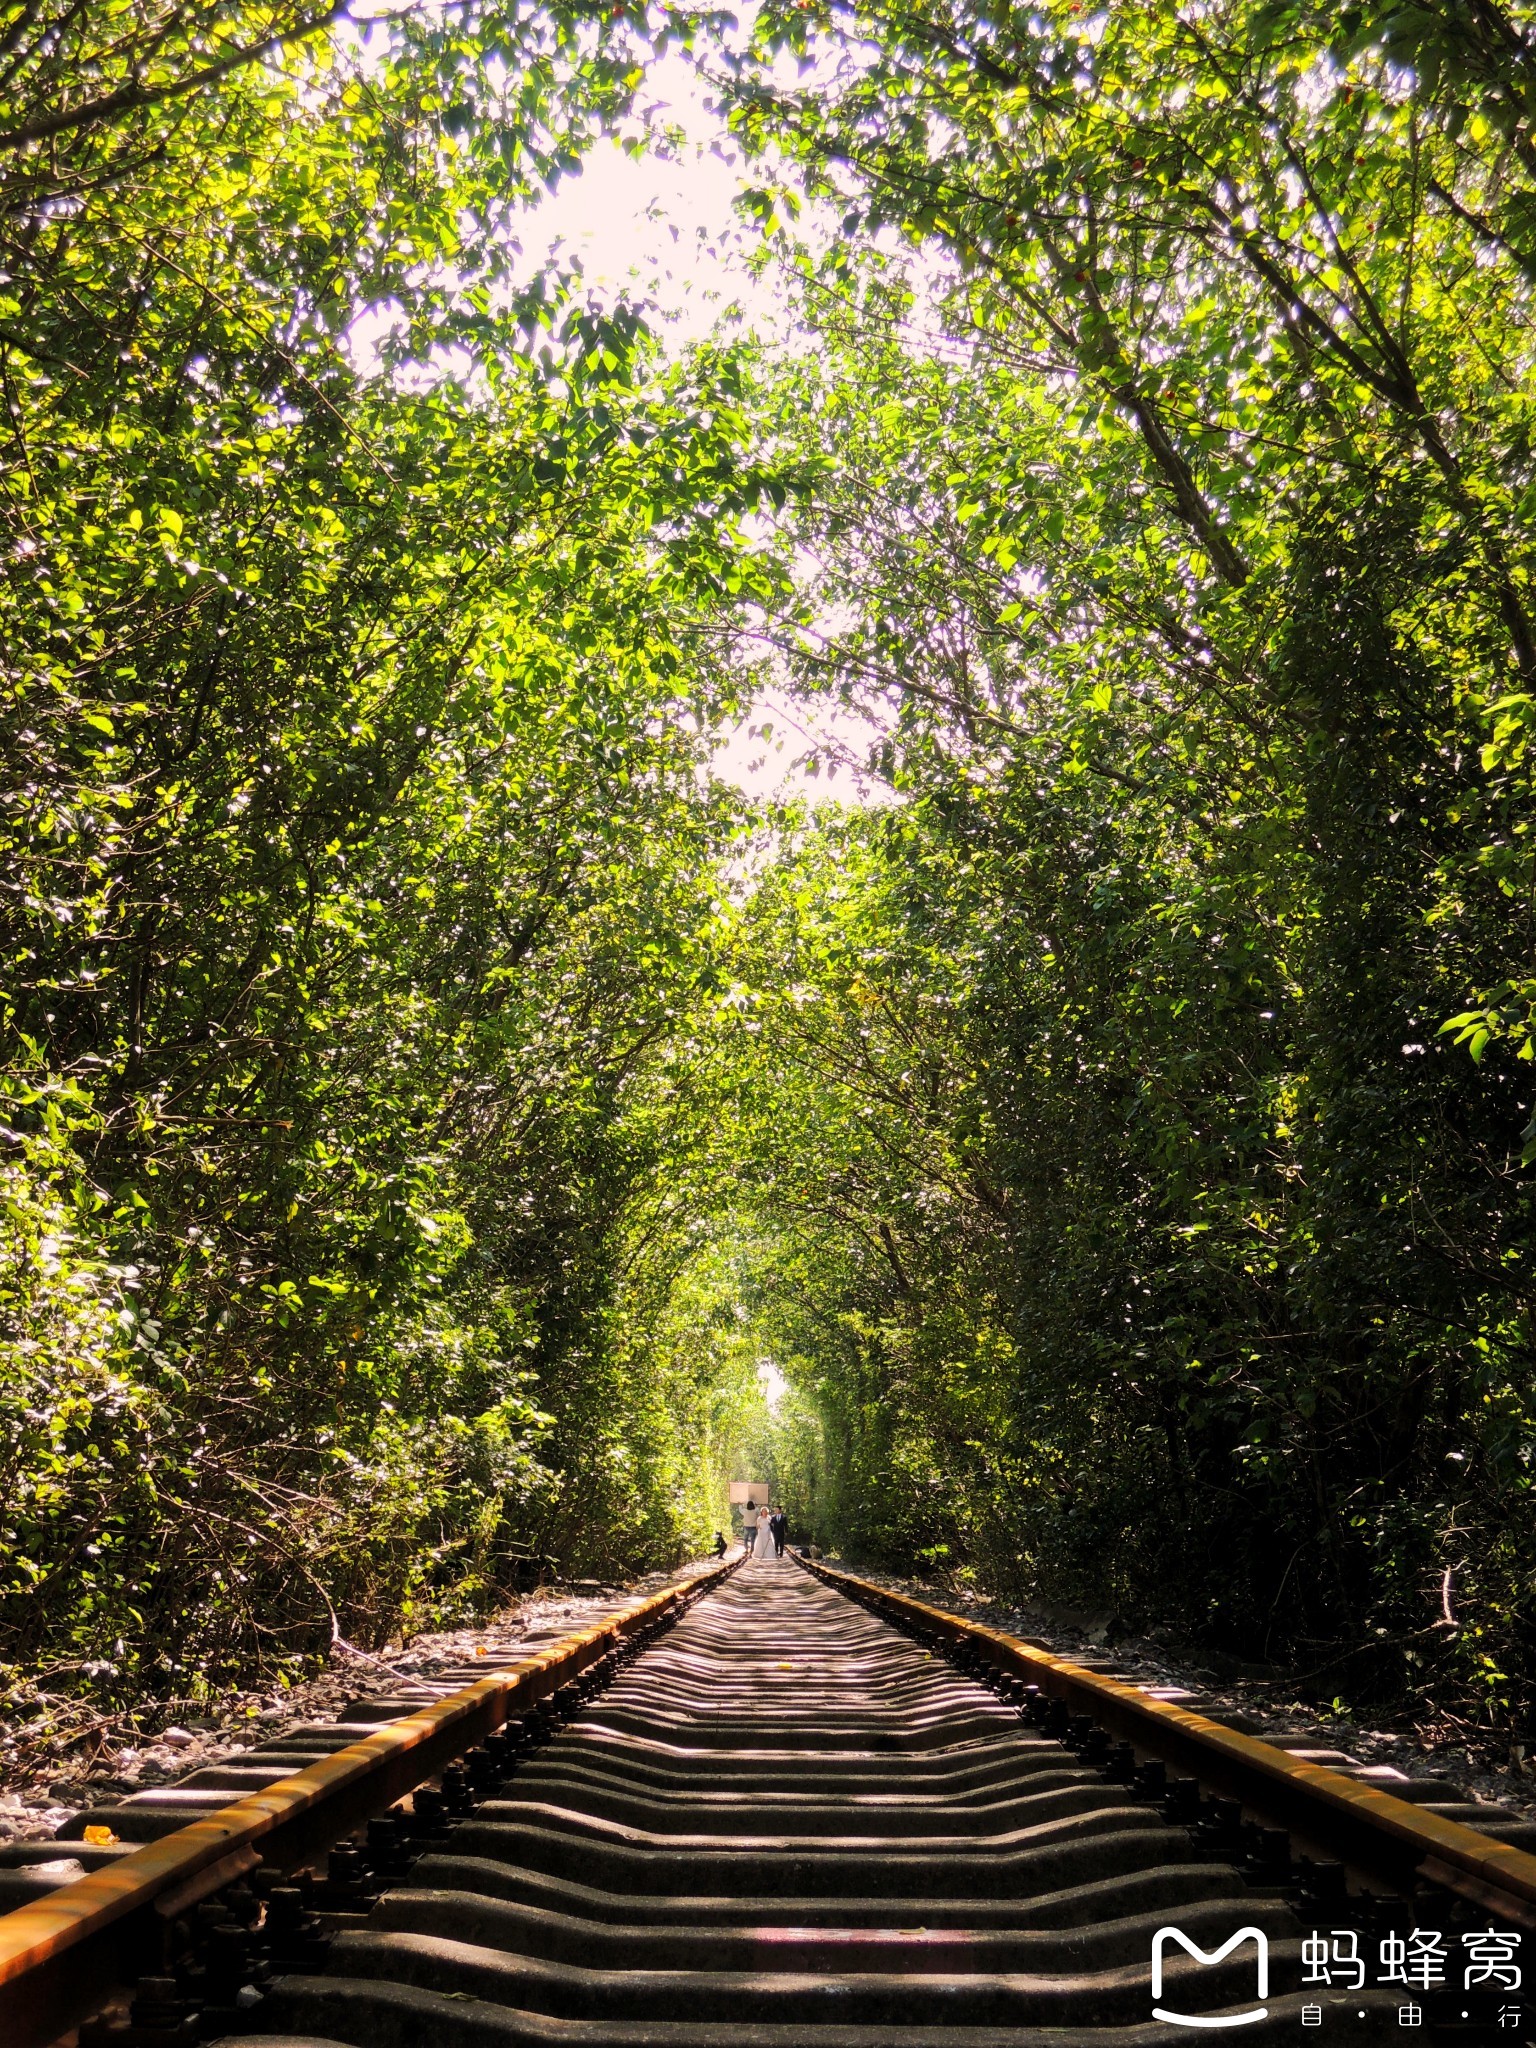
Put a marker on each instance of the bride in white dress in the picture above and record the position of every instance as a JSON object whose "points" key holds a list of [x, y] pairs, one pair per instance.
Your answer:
{"points": [[764, 1551]]}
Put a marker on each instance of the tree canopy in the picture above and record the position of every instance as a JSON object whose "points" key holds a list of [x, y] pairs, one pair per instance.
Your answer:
{"points": [[1169, 1193], [430, 1092]]}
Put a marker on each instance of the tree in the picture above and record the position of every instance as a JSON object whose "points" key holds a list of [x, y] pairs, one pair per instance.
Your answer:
{"points": [[359, 651], [1177, 372]]}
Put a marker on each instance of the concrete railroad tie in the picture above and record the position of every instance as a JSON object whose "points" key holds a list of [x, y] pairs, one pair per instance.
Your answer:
{"points": [[787, 1827]]}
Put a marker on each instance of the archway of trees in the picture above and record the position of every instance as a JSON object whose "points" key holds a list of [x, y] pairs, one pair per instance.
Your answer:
{"points": [[430, 1091]]}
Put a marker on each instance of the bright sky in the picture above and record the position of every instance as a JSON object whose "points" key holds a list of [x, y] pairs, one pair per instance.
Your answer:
{"points": [[774, 766], [773, 1382], [668, 232], [664, 229]]}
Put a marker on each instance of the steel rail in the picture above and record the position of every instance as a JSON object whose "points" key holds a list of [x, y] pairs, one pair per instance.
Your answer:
{"points": [[1326, 1812], [62, 1957]]}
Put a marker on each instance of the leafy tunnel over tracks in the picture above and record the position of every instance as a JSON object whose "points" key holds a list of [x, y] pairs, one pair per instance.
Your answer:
{"points": [[430, 1095]]}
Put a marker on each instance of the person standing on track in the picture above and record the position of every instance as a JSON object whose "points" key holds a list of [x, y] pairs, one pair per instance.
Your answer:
{"points": [[763, 1547], [778, 1522], [748, 1528]]}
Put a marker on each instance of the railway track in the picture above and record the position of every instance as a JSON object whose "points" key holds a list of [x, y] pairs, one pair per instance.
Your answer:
{"points": [[782, 1809]]}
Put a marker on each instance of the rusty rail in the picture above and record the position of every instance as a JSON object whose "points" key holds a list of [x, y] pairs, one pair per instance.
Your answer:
{"points": [[62, 1957], [1327, 1813]]}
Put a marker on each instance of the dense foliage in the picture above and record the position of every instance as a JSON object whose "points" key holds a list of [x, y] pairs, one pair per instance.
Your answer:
{"points": [[1154, 1242], [429, 1097], [356, 860]]}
